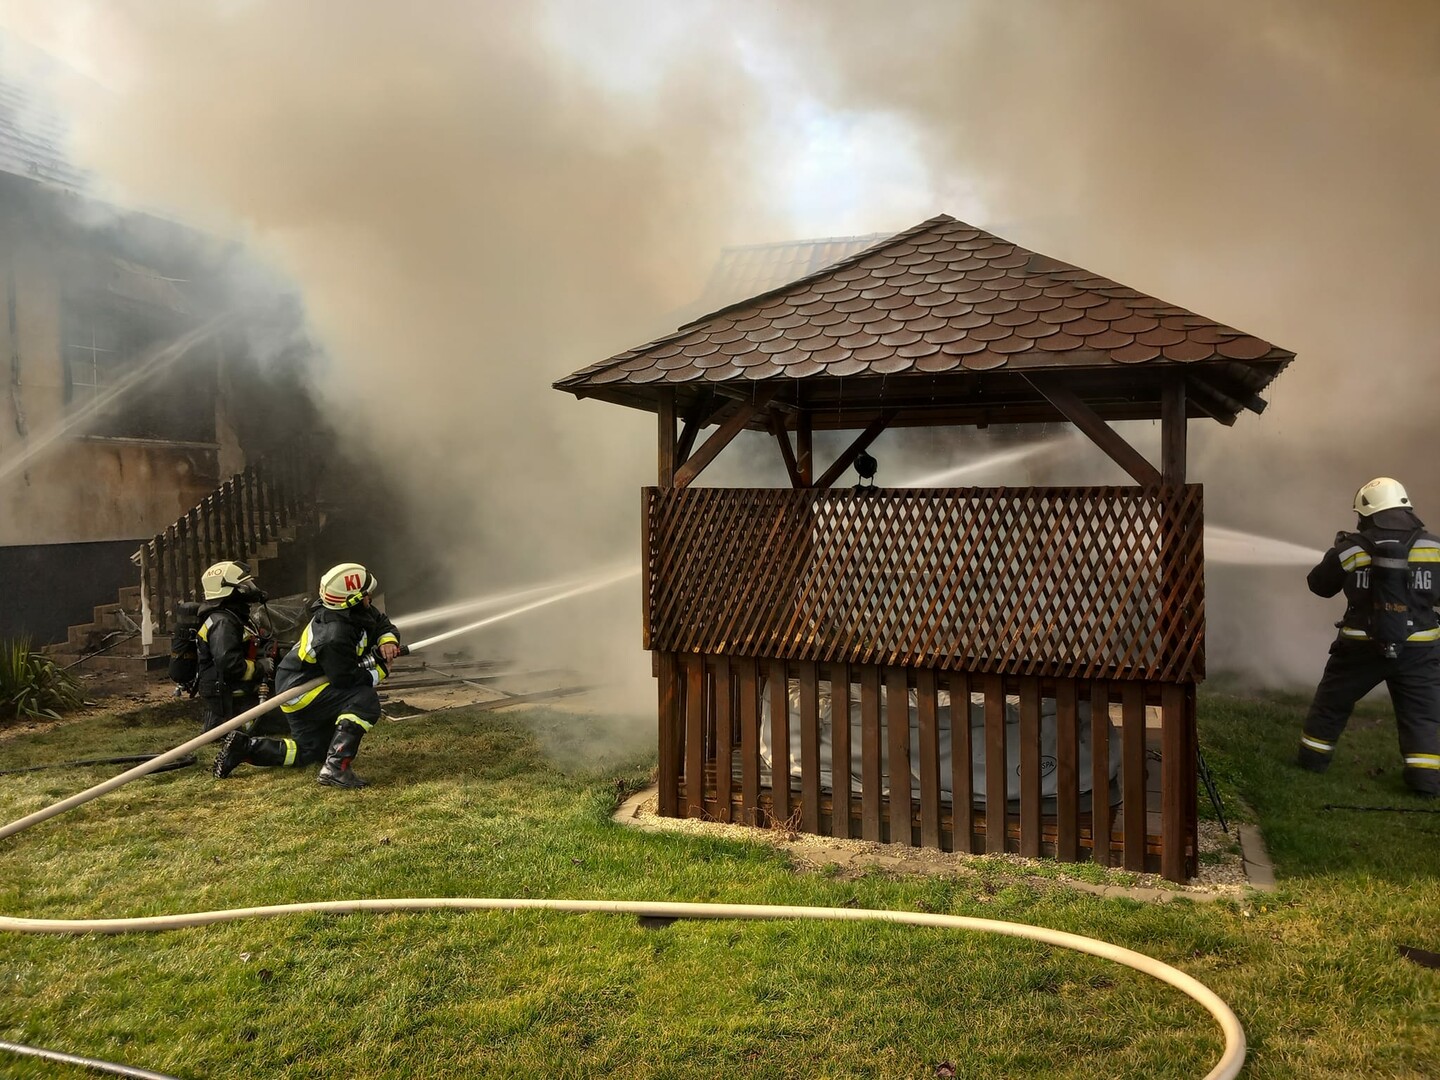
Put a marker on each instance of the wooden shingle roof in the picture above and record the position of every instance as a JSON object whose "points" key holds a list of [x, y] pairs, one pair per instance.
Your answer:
{"points": [[948, 324]]}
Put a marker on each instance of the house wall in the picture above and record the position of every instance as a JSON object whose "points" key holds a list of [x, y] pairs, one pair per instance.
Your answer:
{"points": [[84, 487]]}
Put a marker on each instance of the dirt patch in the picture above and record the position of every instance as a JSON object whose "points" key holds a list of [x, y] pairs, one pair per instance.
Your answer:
{"points": [[1222, 873]]}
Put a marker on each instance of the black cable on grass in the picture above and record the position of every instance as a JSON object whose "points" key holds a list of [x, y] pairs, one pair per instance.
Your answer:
{"points": [[1386, 809], [131, 759]]}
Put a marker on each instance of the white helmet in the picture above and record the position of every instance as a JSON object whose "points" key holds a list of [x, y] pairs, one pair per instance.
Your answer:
{"points": [[346, 585], [1382, 493], [230, 579]]}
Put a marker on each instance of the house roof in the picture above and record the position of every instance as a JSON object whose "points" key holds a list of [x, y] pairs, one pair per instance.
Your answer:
{"points": [[945, 322], [748, 269], [32, 129]]}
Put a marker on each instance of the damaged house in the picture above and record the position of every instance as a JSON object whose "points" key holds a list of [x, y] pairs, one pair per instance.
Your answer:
{"points": [[131, 389]]}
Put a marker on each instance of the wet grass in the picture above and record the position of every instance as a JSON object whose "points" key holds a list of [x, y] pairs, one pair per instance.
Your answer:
{"points": [[518, 804]]}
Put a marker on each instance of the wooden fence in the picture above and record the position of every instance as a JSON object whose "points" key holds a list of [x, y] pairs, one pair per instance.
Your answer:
{"points": [[243, 515], [1085, 605]]}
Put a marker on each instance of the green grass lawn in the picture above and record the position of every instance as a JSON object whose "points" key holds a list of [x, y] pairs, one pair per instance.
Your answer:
{"points": [[518, 804]]}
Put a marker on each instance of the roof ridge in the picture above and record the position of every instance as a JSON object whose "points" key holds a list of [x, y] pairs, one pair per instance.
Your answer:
{"points": [[849, 260]]}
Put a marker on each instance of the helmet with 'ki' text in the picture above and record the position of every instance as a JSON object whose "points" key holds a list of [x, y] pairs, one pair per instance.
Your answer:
{"points": [[226, 579], [1382, 493], [346, 585]]}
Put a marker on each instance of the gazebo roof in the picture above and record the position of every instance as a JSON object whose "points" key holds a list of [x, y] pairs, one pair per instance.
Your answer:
{"points": [[944, 323]]}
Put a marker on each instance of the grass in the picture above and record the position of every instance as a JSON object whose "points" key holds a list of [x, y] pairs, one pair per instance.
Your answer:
{"points": [[518, 804]]}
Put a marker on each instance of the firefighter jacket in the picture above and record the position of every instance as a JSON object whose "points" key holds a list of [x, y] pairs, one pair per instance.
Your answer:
{"points": [[332, 647], [1348, 566], [225, 649]]}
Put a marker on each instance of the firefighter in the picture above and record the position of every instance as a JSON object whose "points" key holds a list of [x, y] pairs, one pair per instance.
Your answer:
{"points": [[230, 650], [1389, 569], [350, 644]]}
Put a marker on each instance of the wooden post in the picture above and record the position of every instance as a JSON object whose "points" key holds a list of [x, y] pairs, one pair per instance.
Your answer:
{"points": [[1176, 766], [1067, 772], [724, 738], [1102, 821], [962, 795], [897, 729], [749, 741], [1172, 431], [927, 712], [669, 709], [809, 678], [839, 750], [1030, 766], [778, 686], [666, 441], [996, 766], [805, 449], [1132, 749], [694, 736], [870, 752]]}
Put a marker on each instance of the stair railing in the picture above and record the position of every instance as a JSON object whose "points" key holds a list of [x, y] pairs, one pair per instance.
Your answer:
{"points": [[234, 521]]}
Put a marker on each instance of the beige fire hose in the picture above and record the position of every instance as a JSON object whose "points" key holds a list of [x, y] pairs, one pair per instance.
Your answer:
{"points": [[1228, 1067]]}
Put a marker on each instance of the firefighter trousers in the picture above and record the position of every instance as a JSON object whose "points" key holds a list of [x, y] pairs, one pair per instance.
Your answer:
{"points": [[1413, 679], [313, 724]]}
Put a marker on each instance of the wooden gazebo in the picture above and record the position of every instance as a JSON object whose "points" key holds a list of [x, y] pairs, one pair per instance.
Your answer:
{"points": [[853, 625]]}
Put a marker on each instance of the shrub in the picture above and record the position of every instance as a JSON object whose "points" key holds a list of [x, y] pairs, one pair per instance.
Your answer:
{"points": [[31, 685]]}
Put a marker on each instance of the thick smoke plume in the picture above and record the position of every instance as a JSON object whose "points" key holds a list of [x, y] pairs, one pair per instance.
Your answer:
{"points": [[1273, 165], [478, 198], [475, 199]]}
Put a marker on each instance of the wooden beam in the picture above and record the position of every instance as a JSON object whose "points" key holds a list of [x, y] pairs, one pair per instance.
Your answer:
{"points": [[855, 449], [787, 452], [1172, 430], [1100, 433], [695, 418], [666, 414], [1216, 402], [804, 449], [718, 440]]}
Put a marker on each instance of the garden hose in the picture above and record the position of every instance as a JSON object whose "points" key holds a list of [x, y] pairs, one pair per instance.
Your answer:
{"points": [[1226, 1068], [1229, 1065], [159, 761], [84, 1062]]}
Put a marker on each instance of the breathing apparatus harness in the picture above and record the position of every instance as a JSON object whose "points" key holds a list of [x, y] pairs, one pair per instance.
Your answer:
{"points": [[1391, 585]]}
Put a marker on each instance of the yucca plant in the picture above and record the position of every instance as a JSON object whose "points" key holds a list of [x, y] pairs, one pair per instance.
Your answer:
{"points": [[33, 686]]}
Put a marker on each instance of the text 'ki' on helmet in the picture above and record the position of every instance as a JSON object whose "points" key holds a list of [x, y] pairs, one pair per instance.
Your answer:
{"points": [[1382, 493], [226, 579], [346, 585]]}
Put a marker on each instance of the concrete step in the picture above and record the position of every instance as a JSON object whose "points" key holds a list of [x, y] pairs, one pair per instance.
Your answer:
{"points": [[130, 597], [109, 617]]}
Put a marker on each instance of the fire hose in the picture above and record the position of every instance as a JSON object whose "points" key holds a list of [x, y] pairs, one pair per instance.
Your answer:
{"points": [[1228, 1067]]}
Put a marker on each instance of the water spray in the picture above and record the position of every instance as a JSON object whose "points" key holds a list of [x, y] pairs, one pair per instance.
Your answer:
{"points": [[160, 761], [154, 362]]}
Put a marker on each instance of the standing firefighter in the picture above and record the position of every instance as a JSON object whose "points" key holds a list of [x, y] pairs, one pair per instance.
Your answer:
{"points": [[230, 650], [1388, 570], [349, 644]]}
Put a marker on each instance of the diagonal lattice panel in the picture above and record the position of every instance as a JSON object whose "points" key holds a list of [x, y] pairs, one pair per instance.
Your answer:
{"points": [[1075, 582]]}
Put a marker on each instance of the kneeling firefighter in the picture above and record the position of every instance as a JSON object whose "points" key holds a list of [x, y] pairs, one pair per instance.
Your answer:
{"points": [[349, 644], [1389, 569], [232, 655]]}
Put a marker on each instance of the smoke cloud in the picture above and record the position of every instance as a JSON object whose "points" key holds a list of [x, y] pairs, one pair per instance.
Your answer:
{"points": [[1269, 164], [479, 198]]}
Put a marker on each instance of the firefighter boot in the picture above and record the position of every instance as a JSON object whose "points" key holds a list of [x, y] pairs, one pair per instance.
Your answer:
{"points": [[336, 771], [233, 752], [240, 748]]}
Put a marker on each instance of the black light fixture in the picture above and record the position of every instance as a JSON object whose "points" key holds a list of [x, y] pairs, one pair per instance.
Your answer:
{"points": [[865, 468]]}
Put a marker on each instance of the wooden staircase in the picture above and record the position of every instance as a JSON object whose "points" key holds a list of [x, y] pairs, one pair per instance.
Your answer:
{"points": [[254, 516]]}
